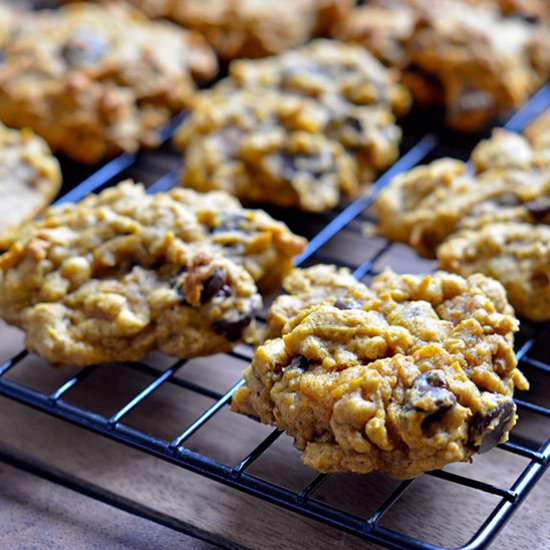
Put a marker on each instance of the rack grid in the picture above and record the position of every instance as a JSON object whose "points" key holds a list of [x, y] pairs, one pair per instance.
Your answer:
{"points": [[238, 475]]}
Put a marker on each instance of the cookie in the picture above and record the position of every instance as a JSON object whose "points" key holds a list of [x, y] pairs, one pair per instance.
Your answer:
{"points": [[123, 272], [425, 205], [251, 28], [265, 147], [418, 377], [306, 129], [320, 284], [30, 178], [516, 254], [98, 80], [472, 60]]}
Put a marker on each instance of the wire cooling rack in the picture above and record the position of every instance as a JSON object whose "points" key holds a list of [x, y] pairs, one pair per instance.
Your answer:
{"points": [[304, 501]]}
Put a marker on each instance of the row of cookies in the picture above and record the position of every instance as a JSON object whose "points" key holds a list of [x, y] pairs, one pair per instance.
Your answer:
{"points": [[489, 216], [406, 376], [124, 272], [476, 58]]}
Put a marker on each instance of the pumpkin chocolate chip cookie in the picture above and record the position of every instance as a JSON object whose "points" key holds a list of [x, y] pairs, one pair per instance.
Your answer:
{"points": [[494, 220], [29, 179], [516, 254], [425, 205], [251, 28], [419, 376], [265, 147], [472, 60], [96, 80], [305, 129], [123, 272]]}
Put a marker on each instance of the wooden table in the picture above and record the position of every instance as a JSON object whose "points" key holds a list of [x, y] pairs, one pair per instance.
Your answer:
{"points": [[39, 514]]}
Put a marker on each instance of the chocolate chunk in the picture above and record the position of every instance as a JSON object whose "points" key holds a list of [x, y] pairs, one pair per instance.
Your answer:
{"points": [[486, 431], [342, 303], [232, 330], [432, 384], [214, 284], [294, 164], [299, 362], [353, 122], [289, 167], [230, 222], [506, 199], [84, 48], [538, 208]]}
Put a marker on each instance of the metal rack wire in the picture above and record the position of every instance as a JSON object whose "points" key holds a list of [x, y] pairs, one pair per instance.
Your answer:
{"points": [[238, 475]]}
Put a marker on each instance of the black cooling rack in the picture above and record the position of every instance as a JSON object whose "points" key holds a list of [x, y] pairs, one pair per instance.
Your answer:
{"points": [[238, 476]]}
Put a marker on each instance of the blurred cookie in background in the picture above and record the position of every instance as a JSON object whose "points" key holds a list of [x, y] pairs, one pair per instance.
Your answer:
{"points": [[306, 129], [473, 60], [30, 178], [96, 80], [251, 28]]}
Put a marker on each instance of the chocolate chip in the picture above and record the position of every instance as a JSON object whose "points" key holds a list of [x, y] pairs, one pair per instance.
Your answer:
{"points": [[84, 48], [289, 167], [432, 384], [230, 222], [486, 431], [299, 362], [232, 330], [354, 123], [342, 303], [293, 164], [538, 208], [214, 284], [506, 199]]}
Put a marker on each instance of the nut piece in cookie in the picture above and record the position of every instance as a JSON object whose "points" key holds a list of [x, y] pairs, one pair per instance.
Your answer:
{"points": [[320, 284], [123, 272], [96, 80], [252, 28], [29, 180], [420, 376]]}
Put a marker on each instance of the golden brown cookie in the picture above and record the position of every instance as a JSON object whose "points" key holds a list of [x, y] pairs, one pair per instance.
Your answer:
{"points": [[516, 254], [29, 180], [251, 28], [98, 80], [420, 376], [265, 147], [473, 60], [425, 205], [123, 272], [304, 129]]}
